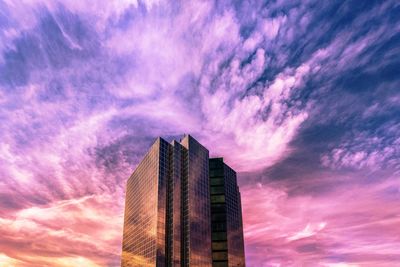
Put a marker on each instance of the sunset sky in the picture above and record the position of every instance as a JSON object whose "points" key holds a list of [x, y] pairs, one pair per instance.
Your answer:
{"points": [[301, 98]]}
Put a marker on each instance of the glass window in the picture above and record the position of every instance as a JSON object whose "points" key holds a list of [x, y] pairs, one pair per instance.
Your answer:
{"points": [[220, 255], [220, 264], [218, 208], [218, 199], [218, 217], [217, 181], [219, 236], [217, 190], [217, 172], [220, 245], [218, 226], [213, 164]]}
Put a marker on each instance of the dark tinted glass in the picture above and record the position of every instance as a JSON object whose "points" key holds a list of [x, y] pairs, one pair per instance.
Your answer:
{"points": [[217, 199], [217, 181], [219, 236], [219, 245], [220, 255], [217, 190]]}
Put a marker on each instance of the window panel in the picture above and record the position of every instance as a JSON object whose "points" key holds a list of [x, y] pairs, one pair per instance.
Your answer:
{"points": [[218, 217], [220, 245], [218, 199], [217, 172], [220, 255], [220, 264], [218, 208], [219, 236], [217, 190], [219, 226], [217, 181]]}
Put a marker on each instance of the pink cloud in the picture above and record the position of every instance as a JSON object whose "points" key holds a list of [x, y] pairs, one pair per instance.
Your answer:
{"points": [[352, 225], [64, 161], [86, 230]]}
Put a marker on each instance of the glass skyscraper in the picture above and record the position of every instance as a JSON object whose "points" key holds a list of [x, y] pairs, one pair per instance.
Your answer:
{"points": [[168, 213], [226, 216]]}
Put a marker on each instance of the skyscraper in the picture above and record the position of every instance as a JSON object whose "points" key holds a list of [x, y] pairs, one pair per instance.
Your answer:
{"points": [[226, 216], [167, 209]]}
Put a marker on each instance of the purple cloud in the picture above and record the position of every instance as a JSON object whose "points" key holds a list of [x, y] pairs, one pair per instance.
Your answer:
{"points": [[300, 97]]}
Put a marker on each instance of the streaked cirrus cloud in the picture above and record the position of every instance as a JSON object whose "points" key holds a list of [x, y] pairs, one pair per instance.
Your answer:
{"points": [[300, 97]]}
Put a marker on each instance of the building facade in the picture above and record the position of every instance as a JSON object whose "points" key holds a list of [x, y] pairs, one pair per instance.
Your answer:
{"points": [[167, 219], [226, 216]]}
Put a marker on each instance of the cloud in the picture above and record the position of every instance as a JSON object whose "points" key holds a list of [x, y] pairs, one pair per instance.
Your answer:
{"points": [[340, 226], [365, 150], [84, 92], [54, 235], [308, 231], [243, 121]]}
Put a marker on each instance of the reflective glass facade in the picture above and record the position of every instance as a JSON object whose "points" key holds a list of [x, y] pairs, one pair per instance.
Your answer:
{"points": [[197, 205], [144, 230], [167, 211], [226, 216]]}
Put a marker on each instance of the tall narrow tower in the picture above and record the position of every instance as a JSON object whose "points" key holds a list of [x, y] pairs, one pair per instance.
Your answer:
{"points": [[168, 212], [145, 210], [167, 208], [226, 216]]}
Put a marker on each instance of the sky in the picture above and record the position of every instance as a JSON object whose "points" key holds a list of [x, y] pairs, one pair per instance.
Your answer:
{"points": [[301, 98]]}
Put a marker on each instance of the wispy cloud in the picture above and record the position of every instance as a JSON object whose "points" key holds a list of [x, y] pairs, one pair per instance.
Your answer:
{"points": [[306, 87], [64, 231], [321, 230], [364, 150]]}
